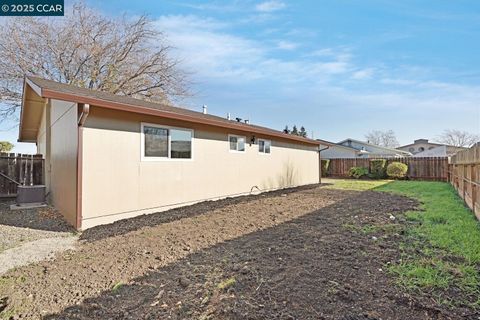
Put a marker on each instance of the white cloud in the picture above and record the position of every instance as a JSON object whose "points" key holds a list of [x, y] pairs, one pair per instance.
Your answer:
{"points": [[400, 82], [363, 74], [270, 6], [237, 71], [210, 51], [287, 45], [183, 22]]}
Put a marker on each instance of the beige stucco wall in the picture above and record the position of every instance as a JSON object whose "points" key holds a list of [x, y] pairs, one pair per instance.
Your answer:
{"points": [[117, 184], [61, 155]]}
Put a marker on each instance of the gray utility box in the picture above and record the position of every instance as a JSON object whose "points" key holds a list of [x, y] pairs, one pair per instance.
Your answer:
{"points": [[30, 194]]}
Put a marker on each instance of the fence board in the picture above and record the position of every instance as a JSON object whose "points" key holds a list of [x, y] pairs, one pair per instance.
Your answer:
{"points": [[464, 176], [24, 169], [428, 168]]}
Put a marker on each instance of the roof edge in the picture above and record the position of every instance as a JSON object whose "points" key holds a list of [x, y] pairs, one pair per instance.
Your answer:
{"points": [[53, 94], [374, 145]]}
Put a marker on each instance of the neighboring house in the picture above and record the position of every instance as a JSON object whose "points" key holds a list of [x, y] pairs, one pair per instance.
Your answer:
{"points": [[422, 145], [440, 151], [351, 148], [331, 150], [110, 157]]}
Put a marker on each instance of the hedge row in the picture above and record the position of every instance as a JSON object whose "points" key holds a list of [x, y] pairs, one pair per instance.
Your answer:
{"points": [[378, 170]]}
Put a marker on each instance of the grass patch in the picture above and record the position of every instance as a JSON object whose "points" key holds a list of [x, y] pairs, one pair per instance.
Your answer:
{"points": [[441, 249], [226, 284], [350, 184], [445, 222], [117, 286], [7, 314]]}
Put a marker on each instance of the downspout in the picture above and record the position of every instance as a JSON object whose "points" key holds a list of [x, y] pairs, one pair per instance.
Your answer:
{"points": [[81, 122], [320, 164]]}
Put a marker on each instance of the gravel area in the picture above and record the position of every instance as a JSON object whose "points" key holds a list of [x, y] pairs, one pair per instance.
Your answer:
{"points": [[11, 237], [31, 235], [47, 218], [34, 251]]}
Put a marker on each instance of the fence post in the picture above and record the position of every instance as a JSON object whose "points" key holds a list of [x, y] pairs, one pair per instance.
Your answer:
{"points": [[473, 186]]}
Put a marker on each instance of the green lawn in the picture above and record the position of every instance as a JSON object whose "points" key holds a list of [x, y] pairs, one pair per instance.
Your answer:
{"points": [[441, 246]]}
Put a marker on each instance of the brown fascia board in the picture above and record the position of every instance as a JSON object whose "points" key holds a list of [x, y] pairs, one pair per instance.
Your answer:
{"points": [[47, 93], [327, 143]]}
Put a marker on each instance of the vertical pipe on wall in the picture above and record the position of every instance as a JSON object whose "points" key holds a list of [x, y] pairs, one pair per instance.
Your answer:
{"points": [[320, 163], [81, 122]]}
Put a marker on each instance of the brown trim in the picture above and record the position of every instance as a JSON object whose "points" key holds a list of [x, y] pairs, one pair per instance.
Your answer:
{"points": [[47, 93], [21, 110], [78, 223], [81, 122], [319, 168]]}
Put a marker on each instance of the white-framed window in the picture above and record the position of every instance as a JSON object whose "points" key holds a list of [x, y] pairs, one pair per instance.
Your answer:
{"points": [[264, 146], [160, 142], [236, 143]]}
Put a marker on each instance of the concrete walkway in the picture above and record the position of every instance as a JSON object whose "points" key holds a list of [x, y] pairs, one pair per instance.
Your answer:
{"points": [[35, 251]]}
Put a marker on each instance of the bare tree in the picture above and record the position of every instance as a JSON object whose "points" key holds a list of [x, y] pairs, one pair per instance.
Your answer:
{"points": [[458, 138], [382, 138], [84, 48]]}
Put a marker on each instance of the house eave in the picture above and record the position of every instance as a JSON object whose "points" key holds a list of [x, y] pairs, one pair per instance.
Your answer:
{"points": [[51, 94]]}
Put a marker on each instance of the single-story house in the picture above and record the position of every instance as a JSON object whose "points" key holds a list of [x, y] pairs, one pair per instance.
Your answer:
{"points": [[110, 157], [331, 150], [351, 148], [424, 148]]}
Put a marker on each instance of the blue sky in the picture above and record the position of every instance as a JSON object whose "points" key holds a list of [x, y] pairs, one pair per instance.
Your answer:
{"points": [[339, 68]]}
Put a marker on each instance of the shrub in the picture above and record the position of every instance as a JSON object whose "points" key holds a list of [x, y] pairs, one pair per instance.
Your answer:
{"points": [[357, 172], [325, 166], [378, 168], [397, 170]]}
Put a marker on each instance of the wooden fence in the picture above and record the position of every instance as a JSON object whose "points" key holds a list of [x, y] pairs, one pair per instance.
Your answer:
{"points": [[19, 169], [428, 168], [465, 178]]}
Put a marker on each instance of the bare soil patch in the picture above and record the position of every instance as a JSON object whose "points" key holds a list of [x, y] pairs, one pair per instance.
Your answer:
{"points": [[272, 256]]}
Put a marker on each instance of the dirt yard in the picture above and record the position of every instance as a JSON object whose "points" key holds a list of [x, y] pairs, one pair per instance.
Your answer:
{"points": [[282, 255]]}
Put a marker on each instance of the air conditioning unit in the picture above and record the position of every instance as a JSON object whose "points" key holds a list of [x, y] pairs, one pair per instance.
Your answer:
{"points": [[30, 195]]}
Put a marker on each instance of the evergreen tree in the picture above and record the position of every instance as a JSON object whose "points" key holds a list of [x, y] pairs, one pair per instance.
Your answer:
{"points": [[294, 130], [303, 132], [286, 130]]}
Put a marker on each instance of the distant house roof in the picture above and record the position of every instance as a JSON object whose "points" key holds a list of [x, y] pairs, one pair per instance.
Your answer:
{"points": [[336, 145], [374, 145], [439, 151], [55, 90], [425, 141]]}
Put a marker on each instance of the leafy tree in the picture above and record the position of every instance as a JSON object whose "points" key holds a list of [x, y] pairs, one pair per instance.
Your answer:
{"points": [[87, 49], [382, 138], [6, 146], [458, 138]]}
